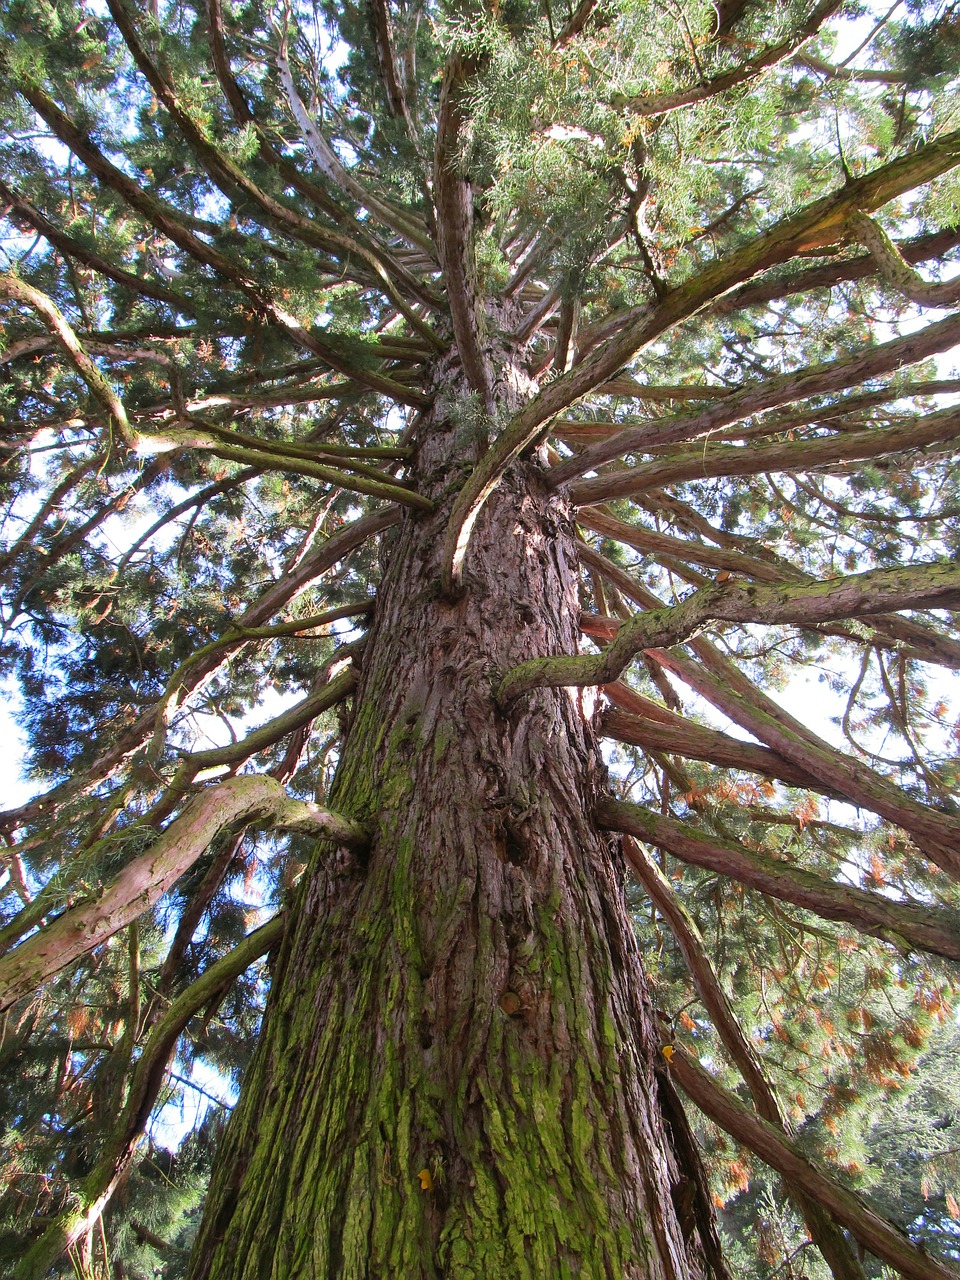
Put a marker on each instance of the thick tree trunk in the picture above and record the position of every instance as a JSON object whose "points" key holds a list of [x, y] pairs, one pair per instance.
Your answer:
{"points": [[458, 1071]]}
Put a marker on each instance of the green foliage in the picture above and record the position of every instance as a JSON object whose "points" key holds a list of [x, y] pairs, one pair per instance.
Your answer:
{"points": [[287, 306]]}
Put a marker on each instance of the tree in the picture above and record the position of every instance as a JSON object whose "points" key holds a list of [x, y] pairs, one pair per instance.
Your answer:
{"points": [[490, 381]]}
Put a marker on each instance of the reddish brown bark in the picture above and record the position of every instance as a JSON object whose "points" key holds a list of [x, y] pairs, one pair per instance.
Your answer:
{"points": [[457, 1071]]}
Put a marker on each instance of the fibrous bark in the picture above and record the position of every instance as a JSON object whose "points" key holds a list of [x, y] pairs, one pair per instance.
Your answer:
{"points": [[456, 1076]]}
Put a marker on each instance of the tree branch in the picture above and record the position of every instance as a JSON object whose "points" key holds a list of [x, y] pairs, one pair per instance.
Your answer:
{"points": [[274, 598], [18, 290], [825, 1233], [672, 733], [814, 380], [813, 227], [173, 228], [655, 104], [902, 924], [935, 585], [887, 1242], [454, 208], [895, 271], [98, 1187], [813, 454], [148, 877]]}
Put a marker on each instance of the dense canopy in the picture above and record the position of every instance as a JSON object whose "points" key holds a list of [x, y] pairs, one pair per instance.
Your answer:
{"points": [[604, 356]]}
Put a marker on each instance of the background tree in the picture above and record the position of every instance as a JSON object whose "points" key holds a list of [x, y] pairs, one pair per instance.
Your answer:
{"points": [[484, 381]]}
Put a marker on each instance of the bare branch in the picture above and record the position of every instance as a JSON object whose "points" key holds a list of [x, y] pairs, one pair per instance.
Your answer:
{"points": [[887, 1242], [454, 207], [934, 585], [148, 877], [903, 924], [670, 732]]}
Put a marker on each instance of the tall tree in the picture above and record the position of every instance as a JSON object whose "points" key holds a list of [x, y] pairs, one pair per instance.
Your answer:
{"points": [[490, 381]]}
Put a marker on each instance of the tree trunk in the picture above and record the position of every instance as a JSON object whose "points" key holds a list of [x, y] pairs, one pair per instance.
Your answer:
{"points": [[459, 1073]]}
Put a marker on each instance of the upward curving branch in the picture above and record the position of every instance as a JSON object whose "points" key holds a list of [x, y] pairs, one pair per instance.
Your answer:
{"points": [[817, 225], [148, 877], [896, 271], [929, 586], [18, 290]]}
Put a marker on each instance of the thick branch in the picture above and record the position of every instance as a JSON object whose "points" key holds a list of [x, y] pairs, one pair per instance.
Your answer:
{"points": [[271, 458], [72, 248], [931, 246], [815, 454], [148, 877], [887, 1242], [99, 1185], [933, 586], [18, 290], [817, 225], [890, 631], [295, 717], [454, 210], [813, 380], [695, 742], [935, 833], [649, 540], [900, 923]]}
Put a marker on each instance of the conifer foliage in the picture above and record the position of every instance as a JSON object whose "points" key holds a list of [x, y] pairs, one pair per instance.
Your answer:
{"points": [[439, 441]]}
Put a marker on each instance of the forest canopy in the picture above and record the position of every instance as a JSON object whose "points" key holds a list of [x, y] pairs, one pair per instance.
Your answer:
{"points": [[466, 463]]}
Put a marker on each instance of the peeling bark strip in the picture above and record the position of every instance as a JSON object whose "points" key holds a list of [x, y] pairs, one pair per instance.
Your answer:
{"points": [[147, 878], [470, 1000], [888, 1244], [903, 924]]}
